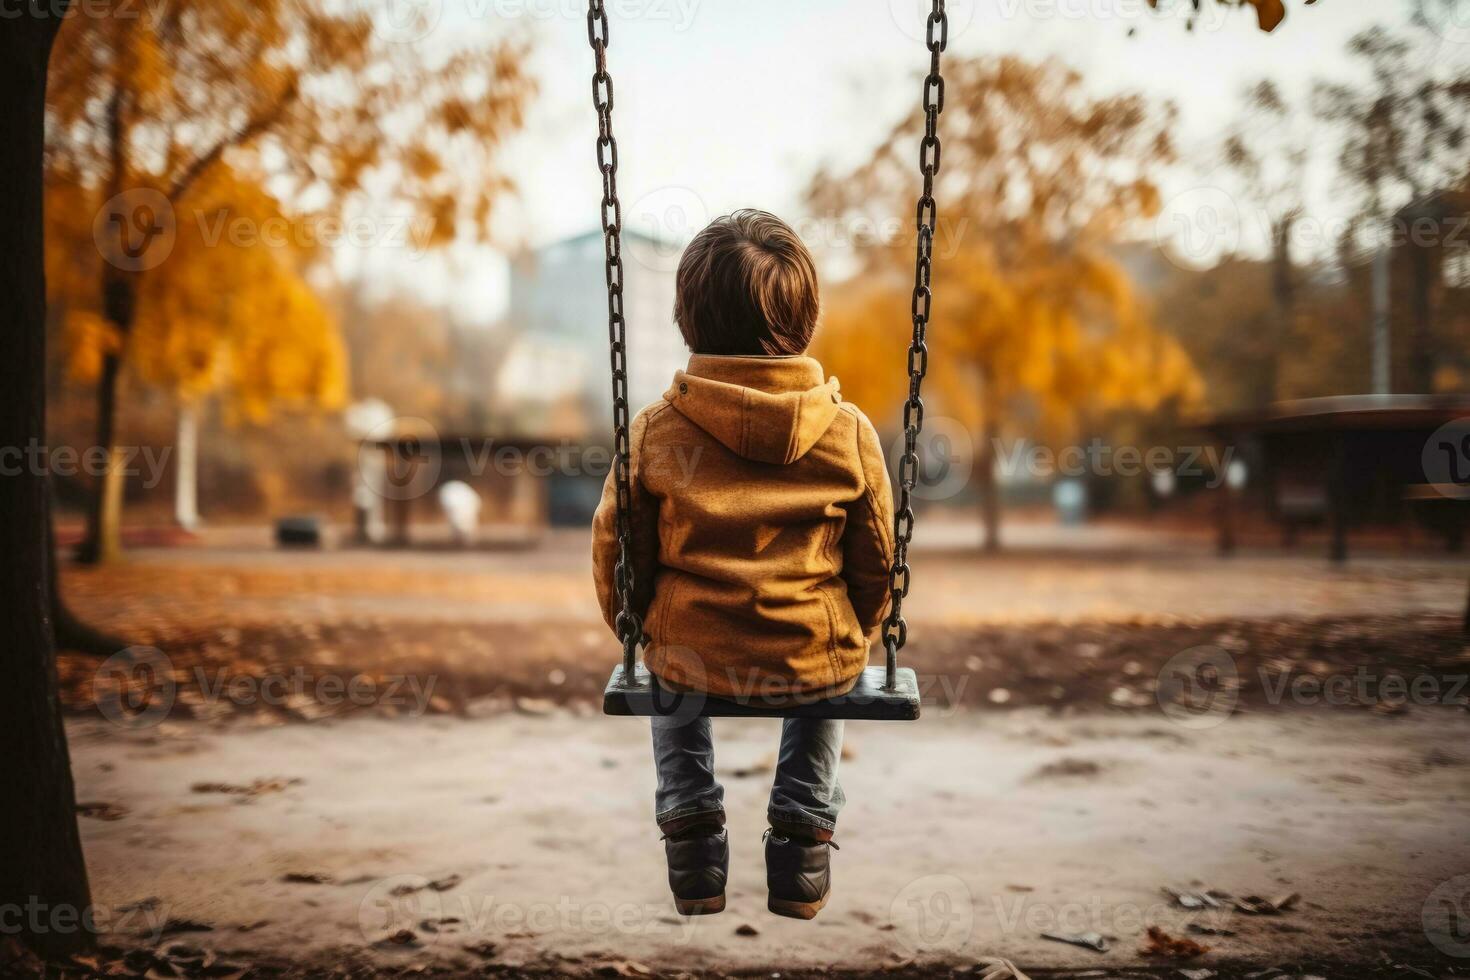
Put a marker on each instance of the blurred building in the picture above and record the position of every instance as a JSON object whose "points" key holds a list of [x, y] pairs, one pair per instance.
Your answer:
{"points": [[555, 377], [558, 318], [1351, 461]]}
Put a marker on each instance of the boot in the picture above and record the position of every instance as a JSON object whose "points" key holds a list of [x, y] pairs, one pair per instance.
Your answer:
{"points": [[798, 874], [699, 862]]}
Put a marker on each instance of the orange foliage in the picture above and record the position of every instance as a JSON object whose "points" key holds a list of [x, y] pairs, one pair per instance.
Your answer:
{"points": [[206, 105], [271, 114], [1034, 317], [216, 316]]}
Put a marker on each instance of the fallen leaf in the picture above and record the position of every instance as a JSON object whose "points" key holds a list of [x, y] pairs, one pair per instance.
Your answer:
{"points": [[1194, 899], [1269, 13], [1203, 930], [257, 788], [1160, 943], [173, 926], [995, 968], [1087, 940], [141, 905], [1256, 905], [102, 811], [1067, 768], [484, 950], [535, 707]]}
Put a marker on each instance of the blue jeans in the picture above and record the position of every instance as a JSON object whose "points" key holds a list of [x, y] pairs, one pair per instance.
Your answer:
{"points": [[805, 792]]}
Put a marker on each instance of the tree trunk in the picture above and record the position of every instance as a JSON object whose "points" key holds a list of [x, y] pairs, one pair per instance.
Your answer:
{"points": [[1421, 355], [1283, 290], [71, 632], [186, 467], [1382, 300], [103, 541], [989, 487], [42, 872]]}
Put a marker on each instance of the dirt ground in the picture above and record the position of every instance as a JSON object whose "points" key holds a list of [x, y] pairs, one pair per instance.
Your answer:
{"points": [[472, 813], [1085, 625], [966, 836]]}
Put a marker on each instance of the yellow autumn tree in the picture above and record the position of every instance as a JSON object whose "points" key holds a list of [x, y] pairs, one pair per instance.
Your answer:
{"points": [[223, 317], [165, 119], [1034, 317]]}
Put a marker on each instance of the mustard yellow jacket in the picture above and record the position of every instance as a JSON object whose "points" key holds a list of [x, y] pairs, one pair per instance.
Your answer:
{"points": [[761, 530]]}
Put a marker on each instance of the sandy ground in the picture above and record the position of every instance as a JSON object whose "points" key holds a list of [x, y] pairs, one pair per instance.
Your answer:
{"points": [[503, 825], [966, 835]]}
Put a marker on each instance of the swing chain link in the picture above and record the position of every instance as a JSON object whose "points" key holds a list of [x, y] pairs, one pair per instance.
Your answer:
{"points": [[629, 624], [895, 629]]}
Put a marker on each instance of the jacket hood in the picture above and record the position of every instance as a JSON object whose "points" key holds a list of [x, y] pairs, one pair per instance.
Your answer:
{"points": [[767, 409]]}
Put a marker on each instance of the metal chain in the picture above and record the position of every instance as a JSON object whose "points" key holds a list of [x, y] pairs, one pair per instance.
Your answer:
{"points": [[628, 624], [895, 629]]}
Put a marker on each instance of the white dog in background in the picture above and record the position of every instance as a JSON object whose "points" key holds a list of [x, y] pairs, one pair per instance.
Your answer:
{"points": [[461, 505]]}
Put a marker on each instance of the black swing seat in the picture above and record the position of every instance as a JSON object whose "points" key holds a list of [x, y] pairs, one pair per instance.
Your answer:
{"points": [[867, 701]]}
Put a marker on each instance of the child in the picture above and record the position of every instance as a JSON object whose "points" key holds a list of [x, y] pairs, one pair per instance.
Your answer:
{"points": [[761, 541]]}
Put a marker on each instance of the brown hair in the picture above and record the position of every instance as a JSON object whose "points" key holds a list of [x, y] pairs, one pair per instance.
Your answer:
{"points": [[747, 285]]}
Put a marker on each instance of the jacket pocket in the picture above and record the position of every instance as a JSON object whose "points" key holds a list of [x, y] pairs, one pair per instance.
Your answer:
{"points": [[834, 604], [669, 588], [849, 642]]}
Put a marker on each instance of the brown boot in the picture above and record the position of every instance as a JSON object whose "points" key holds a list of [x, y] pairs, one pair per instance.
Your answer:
{"points": [[798, 872], [698, 853]]}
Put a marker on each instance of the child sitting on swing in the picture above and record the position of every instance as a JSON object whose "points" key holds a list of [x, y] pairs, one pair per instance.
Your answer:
{"points": [[761, 539]]}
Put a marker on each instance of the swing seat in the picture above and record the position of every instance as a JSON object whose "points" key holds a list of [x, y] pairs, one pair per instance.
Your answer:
{"points": [[867, 701]]}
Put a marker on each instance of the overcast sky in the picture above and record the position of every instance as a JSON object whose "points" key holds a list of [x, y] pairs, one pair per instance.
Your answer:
{"points": [[731, 103]]}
